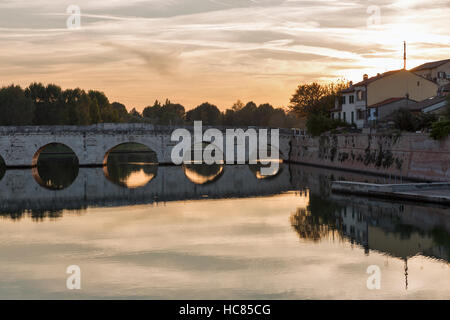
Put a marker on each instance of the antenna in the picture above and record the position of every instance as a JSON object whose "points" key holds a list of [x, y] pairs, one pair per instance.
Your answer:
{"points": [[404, 55]]}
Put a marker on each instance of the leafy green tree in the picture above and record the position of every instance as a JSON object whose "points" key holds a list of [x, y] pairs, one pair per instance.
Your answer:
{"points": [[15, 107], [440, 130], [121, 111], [134, 116], [315, 98], [78, 106], [50, 109], [167, 114], [207, 113]]}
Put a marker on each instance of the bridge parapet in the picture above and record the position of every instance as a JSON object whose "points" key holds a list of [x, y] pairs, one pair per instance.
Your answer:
{"points": [[19, 145]]}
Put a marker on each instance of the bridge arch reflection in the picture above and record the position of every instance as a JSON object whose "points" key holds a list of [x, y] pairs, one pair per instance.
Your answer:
{"points": [[203, 173], [2, 167], [130, 165], [55, 166]]}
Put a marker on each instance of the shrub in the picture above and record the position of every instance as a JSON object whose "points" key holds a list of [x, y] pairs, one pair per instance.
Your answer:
{"points": [[317, 124], [440, 130], [405, 120]]}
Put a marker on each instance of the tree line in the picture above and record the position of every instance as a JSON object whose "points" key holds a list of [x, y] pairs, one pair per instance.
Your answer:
{"points": [[50, 105], [38, 104]]}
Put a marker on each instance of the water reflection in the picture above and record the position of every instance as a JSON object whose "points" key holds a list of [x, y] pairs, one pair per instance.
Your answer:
{"points": [[56, 171], [131, 175], [181, 248], [2, 168], [131, 165], [203, 173], [398, 229], [275, 170]]}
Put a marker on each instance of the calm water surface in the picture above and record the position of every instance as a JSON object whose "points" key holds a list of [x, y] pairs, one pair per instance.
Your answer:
{"points": [[138, 230]]}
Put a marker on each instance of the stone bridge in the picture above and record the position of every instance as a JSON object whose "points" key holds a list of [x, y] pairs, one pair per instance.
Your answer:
{"points": [[21, 146]]}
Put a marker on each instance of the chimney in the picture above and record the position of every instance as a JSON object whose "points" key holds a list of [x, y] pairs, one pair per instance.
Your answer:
{"points": [[351, 83], [365, 77]]}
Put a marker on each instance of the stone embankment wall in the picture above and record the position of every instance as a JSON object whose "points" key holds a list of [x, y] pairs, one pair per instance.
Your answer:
{"points": [[407, 155]]}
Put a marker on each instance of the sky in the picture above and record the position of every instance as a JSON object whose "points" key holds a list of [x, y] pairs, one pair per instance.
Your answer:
{"points": [[193, 51]]}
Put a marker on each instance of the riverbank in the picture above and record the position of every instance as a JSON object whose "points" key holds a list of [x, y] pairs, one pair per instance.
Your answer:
{"points": [[405, 156]]}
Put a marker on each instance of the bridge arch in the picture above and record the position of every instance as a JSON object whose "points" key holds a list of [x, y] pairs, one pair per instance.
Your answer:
{"points": [[131, 147], [55, 166], [130, 165]]}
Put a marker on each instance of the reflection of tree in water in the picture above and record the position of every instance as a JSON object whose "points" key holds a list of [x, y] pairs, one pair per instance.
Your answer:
{"points": [[318, 220], [38, 215], [203, 173], [56, 171], [131, 169]]}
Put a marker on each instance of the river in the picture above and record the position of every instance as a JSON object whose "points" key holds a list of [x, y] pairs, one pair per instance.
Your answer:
{"points": [[139, 230]]}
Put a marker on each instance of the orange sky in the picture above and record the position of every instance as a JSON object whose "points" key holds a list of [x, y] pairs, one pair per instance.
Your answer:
{"points": [[192, 51]]}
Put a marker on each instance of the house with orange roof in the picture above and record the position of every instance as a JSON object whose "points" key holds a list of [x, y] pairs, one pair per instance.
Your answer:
{"points": [[359, 99]]}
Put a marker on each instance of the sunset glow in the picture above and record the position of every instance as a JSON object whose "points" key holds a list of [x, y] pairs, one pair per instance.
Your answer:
{"points": [[192, 51]]}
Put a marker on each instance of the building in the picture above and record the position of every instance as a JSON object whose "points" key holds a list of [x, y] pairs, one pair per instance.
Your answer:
{"points": [[398, 84], [437, 71], [436, 105], [381, 111]]}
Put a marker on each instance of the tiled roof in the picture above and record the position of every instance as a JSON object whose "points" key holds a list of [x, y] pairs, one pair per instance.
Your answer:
{"points": [[377, 77], [430, 65], [429, 102], [387, 101]]}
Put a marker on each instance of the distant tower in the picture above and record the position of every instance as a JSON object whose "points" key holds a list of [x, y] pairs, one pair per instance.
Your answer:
{"points": [[404, 55]]}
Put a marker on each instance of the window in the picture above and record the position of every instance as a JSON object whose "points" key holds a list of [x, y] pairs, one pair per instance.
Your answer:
{"points": [[360, 114], [343, 100], [441, 75], [360, 95], [345, 116], [332, 115], [352, 99], [353, 117]]}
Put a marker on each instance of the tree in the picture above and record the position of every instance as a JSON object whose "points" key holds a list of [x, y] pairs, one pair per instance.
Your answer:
{"points": [[50, 109], [315, 98], [78, 106], [207, 113], [121, 111], [168, 114], [306, 99], [15, 107]]}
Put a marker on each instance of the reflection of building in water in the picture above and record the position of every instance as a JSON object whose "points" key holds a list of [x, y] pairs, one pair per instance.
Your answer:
{"points": [[354, 226], [401, 231]]}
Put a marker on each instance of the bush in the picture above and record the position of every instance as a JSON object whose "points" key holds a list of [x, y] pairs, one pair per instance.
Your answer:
{"points": [[440, 130], [316, 124], [405, 120]]}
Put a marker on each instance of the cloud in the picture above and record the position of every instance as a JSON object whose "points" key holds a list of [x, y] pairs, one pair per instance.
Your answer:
{"points": [[164, 63], [269, 45]]}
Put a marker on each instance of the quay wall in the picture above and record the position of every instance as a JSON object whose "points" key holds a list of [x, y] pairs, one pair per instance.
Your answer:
{"points": [[406, 155]]}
